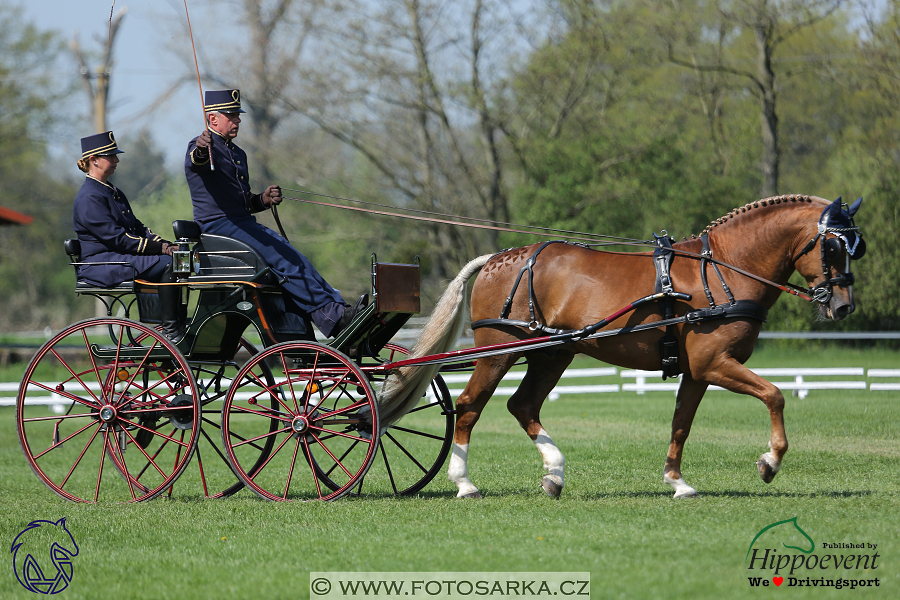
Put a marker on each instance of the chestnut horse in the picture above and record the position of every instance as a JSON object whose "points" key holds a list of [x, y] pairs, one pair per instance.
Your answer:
{"points": [[575, 287]]}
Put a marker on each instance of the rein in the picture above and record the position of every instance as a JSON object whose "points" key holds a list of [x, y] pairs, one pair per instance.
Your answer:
{"points": [[821, 293], [543, 231]]}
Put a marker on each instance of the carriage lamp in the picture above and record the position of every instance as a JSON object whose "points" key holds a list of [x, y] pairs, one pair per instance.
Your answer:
{"points": [[181, 261]]}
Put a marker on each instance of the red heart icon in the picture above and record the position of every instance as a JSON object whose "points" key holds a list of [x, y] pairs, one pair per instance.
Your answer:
{"points": [[778, 580]]}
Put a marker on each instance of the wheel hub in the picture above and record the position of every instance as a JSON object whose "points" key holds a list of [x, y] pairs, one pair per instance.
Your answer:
{"points": [[107, 414], [300, 424]]}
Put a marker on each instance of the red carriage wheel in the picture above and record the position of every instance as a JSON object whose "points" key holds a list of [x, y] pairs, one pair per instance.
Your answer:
{"points": [[324, 414], [108, 410]]}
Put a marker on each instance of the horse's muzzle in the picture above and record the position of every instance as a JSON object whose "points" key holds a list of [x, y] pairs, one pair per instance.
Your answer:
{"points": [[842, 311]]}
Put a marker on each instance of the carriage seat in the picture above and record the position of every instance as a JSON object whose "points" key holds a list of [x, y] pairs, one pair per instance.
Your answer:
{"points": [[219, 258], [186, 230], [73, 250]]}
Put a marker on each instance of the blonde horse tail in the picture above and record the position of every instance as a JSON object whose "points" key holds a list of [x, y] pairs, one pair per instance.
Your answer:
{"points": [[403, 390]]}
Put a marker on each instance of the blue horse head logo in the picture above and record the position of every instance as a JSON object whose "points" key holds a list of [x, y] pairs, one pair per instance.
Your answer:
{"points": [[35, 570]]}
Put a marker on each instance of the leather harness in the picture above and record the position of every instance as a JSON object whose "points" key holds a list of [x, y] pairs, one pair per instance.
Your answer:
{"points": [[665, 295]]}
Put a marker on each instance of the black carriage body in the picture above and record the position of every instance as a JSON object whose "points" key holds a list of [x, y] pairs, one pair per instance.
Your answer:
{"points": [[145, 406]]}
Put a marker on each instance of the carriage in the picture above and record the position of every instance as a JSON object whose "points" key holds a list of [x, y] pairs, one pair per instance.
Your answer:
{"points": [[295, 419], [303, 420]]}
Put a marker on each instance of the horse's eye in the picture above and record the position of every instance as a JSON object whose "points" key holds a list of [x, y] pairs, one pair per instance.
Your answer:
{"points": [[833, 250]]}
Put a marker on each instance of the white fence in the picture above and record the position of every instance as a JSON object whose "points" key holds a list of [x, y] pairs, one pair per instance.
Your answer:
{"points": [[58, 402], [611, 379], [642, 382]]}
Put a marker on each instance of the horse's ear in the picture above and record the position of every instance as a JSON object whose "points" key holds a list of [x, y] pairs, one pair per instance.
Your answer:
{"points": [[855, 206], [832, 209]]}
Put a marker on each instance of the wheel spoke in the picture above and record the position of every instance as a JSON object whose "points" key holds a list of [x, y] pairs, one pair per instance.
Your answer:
{"points": [[78, 460], [290, 474], [420, 433], [64, 440], [263, 436], [405, 451], [387, 466]]}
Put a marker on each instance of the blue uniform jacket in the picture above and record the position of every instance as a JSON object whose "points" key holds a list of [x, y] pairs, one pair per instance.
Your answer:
{"points": [[110, 232], [224, 192], [223, 205]]}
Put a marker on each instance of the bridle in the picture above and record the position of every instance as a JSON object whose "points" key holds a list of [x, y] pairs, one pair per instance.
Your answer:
{"points": [[836, 219]]}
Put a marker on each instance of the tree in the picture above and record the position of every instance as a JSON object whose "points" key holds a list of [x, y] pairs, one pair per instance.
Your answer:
{"points": [[605, 133], [35, 281], [770, 23], [406, 86], [142, 168], [96, 81]]}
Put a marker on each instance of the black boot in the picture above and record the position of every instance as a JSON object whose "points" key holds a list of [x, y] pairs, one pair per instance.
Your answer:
{"points": [[170, 308], [350, 314]]}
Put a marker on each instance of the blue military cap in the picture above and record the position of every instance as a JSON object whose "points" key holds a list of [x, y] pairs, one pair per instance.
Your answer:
{"points": [[225, 101], [99, 144]]}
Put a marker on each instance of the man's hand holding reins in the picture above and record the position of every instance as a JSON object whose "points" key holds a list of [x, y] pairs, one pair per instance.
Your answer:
{"points": [[272, 196]]}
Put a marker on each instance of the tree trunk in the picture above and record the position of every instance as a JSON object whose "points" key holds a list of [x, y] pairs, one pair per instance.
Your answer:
{"points": [[768, 116]]}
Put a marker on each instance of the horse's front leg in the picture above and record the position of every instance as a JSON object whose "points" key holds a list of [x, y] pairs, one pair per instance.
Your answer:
{"points": [[690, 392], [739, 379]]}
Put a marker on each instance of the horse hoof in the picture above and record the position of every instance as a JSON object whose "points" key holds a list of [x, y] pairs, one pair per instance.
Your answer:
{"points": [[686, 493], [474, 495], [551, 487], [767, 467], [682, 490]]}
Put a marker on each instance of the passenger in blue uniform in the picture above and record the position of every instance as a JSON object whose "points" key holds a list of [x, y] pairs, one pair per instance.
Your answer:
{"points": [[224, 205], [109, 232]]}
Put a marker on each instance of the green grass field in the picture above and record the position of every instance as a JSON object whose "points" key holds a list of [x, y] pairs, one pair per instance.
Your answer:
{"points": [[616, 519]]}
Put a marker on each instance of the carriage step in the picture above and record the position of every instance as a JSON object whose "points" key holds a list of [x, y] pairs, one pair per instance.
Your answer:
{"points": [[130, 352]]}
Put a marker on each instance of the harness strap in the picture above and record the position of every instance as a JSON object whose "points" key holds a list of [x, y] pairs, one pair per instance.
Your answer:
{"points": [[741, 309], [529, 264], [706, 259], [668, 343]]}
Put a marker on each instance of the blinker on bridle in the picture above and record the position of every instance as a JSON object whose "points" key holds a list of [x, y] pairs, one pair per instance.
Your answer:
{"points": [[830, 248]]}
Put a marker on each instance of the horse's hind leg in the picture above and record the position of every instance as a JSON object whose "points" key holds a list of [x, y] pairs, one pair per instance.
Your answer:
{"points": [[525, 405], [488, 373], [690, 392]]}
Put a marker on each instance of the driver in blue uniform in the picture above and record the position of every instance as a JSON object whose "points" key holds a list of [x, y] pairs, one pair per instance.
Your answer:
{"points": [[224, 205], [109, 232]]}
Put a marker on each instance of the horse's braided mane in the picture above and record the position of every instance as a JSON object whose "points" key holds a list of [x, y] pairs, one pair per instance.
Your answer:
{"points": [[757, 204]]}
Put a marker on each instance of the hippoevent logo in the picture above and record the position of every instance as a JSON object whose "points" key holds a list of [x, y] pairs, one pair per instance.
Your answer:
{"points": [[784, 554], [42, 556]]}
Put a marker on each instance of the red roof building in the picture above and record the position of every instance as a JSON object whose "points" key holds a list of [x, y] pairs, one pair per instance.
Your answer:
{"points": [[10, 217]]}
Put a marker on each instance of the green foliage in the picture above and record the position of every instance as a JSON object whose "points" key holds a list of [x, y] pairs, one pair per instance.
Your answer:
{"points": [[141, 169], [642, 144], [660, 188], [33, 266]]}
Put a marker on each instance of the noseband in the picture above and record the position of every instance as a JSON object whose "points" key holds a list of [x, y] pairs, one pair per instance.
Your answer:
{"points": [[830, 249]]}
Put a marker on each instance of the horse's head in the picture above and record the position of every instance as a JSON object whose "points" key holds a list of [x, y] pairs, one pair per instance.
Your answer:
{"points": [[825, 260]]}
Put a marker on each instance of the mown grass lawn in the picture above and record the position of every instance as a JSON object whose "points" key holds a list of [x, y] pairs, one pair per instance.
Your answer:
{"points": [[615, 520]]}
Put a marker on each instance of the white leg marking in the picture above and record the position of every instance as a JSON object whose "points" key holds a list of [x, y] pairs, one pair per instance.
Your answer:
{"points": [[682, 489], [770, 460], [554, 462], [458, 472]]}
